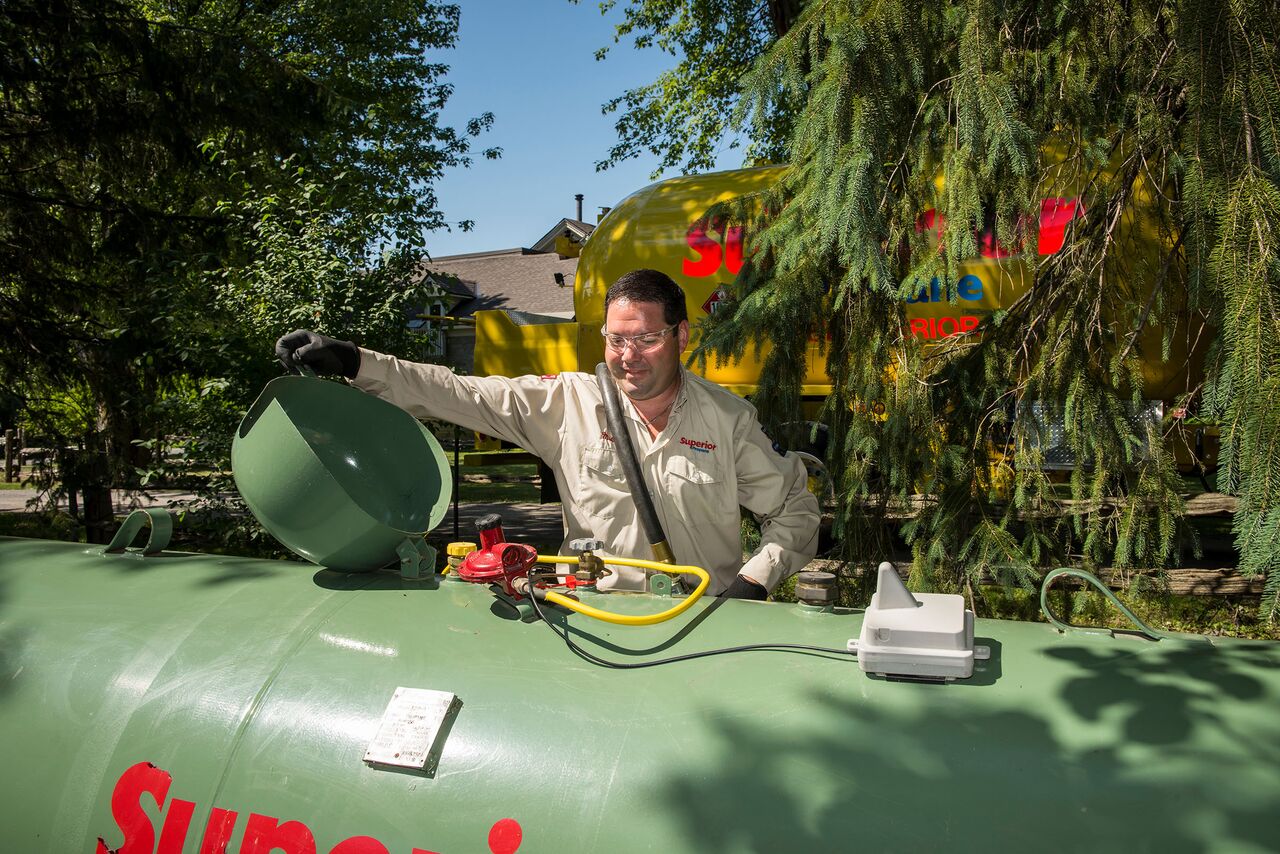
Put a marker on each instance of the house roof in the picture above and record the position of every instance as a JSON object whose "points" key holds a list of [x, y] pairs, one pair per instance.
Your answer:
{"points": [[577, 231], [513, 279], [450, 284]]}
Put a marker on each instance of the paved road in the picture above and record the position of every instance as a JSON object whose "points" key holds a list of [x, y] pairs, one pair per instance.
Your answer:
{"points": [[535, 523], [17, 499], [532, 523]]}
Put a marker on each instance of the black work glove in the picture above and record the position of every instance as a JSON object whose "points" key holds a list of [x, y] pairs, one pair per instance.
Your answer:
{"points": [[741, 588], [322, 354]]}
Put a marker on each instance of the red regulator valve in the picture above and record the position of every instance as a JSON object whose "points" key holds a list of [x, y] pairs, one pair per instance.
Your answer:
{"points": [[497, 561]]}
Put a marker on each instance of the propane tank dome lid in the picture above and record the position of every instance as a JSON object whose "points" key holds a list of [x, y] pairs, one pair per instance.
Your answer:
{"points": [[338, 476]]}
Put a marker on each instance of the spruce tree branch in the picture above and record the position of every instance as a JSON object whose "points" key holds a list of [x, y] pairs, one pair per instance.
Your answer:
{"points": [[1155, 70], [1151, 298], [1248, 138], [884, 198]]}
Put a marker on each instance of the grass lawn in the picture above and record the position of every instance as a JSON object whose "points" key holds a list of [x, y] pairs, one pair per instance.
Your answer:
{"points": [[39, 526], [501, 484]]}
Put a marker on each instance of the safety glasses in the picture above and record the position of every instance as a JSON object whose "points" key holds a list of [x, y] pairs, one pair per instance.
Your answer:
{"points": [[641, 343]]}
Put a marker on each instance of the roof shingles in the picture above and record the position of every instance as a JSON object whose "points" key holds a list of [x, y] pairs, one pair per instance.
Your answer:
{"points": [[518, 279]]}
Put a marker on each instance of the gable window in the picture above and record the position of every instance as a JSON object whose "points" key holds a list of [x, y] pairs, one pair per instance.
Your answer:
{"points": [[433, 329]]}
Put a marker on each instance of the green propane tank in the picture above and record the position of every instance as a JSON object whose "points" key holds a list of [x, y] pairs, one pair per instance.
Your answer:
{"points": [[193, 703]]}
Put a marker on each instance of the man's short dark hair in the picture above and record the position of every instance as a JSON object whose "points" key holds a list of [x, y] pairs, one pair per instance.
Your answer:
{"points": [[649, 286]]}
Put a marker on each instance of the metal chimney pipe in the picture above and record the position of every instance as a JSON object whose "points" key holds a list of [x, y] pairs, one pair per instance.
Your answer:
{"points": [[578, 198]]}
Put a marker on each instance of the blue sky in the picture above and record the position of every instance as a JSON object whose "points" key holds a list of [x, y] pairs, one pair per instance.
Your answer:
{"points": [[532, 64]]}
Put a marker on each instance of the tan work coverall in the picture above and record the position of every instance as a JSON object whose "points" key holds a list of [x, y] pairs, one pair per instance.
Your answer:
{"points": [[712, 457]]}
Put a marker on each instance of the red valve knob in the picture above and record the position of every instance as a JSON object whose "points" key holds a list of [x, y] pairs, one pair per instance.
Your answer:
{"points": [[497, 561]]}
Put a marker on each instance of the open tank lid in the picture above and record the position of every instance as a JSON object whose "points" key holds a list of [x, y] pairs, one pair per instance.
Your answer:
{"points": [[340, 477]]}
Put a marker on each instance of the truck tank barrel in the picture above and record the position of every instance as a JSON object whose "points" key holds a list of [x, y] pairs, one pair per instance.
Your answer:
{"points": [[161, 703]]}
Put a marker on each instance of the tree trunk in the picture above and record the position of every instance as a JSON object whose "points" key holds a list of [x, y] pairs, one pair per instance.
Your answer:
{"points": [[94, 478], [782, 14]]}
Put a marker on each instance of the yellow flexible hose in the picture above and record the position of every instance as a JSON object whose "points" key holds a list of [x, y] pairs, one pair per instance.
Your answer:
{"points": [[630, 619]]}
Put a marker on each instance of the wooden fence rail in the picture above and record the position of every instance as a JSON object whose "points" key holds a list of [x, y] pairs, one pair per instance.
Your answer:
{"points": [[1200, 580]]}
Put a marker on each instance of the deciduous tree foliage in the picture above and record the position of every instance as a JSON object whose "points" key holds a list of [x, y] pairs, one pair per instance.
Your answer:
{"points": [[1165, 112], [180, 182], [684, 116]]}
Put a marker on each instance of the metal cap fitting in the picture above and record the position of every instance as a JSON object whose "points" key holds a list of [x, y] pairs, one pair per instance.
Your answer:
{"points": [[816, 588]]}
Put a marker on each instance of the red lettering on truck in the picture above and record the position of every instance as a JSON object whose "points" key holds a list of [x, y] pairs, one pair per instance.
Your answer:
{"points": [[263, 834], [1055, 214], [709, 251], [942, 327]]}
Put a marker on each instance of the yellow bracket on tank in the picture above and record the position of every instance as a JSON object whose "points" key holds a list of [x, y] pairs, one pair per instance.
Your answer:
{"points": [[630, 619]]}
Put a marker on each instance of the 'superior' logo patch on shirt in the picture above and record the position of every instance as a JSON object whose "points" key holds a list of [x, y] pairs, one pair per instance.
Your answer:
{"points": [[698, 445]]}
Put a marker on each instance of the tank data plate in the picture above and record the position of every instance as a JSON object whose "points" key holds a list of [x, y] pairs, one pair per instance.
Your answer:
{"points": [[413, 729]]}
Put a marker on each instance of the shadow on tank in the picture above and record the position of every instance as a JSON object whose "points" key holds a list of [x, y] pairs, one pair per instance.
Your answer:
{"points": [[1163, 701], [1135, 754], [13, 641]]}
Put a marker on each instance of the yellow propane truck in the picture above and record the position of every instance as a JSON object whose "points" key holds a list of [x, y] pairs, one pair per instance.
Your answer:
{"points": [[664, 227]]}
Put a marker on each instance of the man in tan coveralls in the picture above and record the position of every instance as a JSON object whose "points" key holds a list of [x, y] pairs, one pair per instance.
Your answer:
{"points": [[701, 448]]}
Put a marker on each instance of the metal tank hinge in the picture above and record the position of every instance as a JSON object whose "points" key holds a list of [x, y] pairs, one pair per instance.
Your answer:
{"points": [[417, 559]]}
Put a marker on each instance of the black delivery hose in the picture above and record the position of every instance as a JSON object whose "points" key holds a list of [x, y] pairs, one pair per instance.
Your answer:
{"points": [[631, 468]]}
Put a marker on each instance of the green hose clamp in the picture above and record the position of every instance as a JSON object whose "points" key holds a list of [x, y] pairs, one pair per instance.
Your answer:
{"points": [[161, 524], [1092, 579]]}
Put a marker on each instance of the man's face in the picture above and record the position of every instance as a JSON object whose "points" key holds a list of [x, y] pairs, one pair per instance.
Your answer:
{"points": [[643, 374]]}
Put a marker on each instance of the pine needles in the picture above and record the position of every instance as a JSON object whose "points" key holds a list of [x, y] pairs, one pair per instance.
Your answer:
{"points": [[1163, 120]]}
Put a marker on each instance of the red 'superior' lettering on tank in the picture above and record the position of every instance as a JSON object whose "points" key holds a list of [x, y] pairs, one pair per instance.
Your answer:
{"points": [[126, 808], [263, 834]]}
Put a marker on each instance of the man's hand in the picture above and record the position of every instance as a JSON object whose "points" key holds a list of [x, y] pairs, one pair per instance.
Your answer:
{"points": [[322, 354], [743, 588]]}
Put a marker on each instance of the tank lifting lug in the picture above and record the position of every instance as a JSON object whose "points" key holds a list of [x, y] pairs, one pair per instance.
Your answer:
{"points": [[161, 524]]}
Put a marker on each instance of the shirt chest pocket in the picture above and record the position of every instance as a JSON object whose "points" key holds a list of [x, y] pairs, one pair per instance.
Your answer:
{"points": [[602, 483], [701, 490]]}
